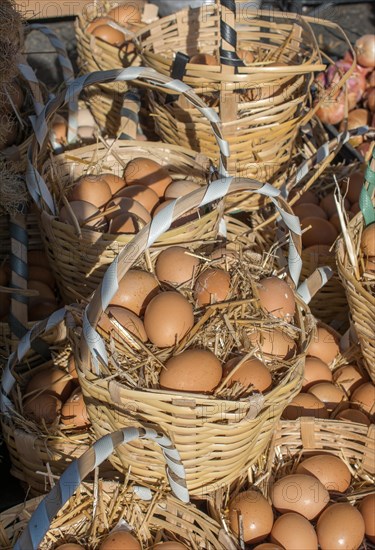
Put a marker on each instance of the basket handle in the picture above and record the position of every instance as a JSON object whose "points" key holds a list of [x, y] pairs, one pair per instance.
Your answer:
{"points": [[76, 472], [91, 342], [68, 77], [228, 35], [36, 185], [366, 198], [312, 284], [25, 344]]}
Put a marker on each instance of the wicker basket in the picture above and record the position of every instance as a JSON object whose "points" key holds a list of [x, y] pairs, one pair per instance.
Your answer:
{"points": [[199, 425], [151, 516], [80, 256], [360, 291], [105, 100], [53, 448], [36, 96], [262, 104]]}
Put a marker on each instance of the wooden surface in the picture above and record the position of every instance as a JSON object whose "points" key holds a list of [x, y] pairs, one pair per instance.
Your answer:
{"points": [[43, 9]]}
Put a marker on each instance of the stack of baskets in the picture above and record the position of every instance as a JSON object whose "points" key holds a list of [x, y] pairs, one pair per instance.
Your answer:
{"points": [[253, 67], [150, 440]]}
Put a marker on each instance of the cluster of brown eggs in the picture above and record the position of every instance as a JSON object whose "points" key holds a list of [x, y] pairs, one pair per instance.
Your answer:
{"points": [[41, 280], [306, 516], [344, 393], [164, 316], [127, 16], [52, 395], [122, 539], [123, 205]]}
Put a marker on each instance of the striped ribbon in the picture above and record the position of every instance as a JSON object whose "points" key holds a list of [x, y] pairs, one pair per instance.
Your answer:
{"points": [[68, 76], [71, 479], [161, 223], [314, 282], [366, 198], [129, 115], [228, 46]]}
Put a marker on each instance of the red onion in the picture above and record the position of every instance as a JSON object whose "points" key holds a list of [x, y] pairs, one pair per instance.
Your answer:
{"points": [[356, 119], [371, 79], [369, 99], [332, 110], [365, 50]]}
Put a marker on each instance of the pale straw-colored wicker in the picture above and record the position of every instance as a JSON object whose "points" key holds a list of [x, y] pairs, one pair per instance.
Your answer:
{"points": [[38, 452], [79, 256], [359, 286], [89, 511], [262, 104], [217, 437], [105, 100]]}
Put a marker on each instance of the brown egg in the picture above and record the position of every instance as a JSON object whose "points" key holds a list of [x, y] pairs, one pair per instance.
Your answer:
{"points": [[212, 286], [70, 546], [331, 471], [172, 545], [277, 298], [364, 396], [320, 232], [308, 197], [41, 310], [126, 206], [294, 532], [193, 370], [329, 206], [315, 371], [268, 546], [120, 540], [251, 373], [246, 56], [203, 59], [126, 15], [168, 318], [144, 195], [180, 188], [335, 220], [340, 526], [97, 22], [369, 264], [44, 407], [367, 510], [72, 367], [305, 404], [53, 381], [353, 415], [317, 251], [273, 343], [256, 515], [127, 319], [355, 208], [43, 275], [115, 183], [45, 292], [368, 240], [349, 377], [299, 493], [59, 129], [305, 210], [37, 257], [73, 412], [125, 224], [328, 393], [354, 186], [109, 35], [324, 345], [136, 289], [147, 172], [176, 265], [83, 211], [91, 189]]}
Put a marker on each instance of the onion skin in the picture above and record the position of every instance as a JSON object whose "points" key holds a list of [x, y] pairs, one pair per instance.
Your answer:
{"points": [[356, 83], [369, 99], [332, 110], [371, 79], [365, 50]]}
